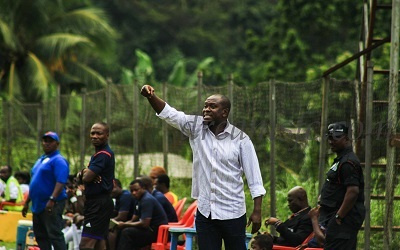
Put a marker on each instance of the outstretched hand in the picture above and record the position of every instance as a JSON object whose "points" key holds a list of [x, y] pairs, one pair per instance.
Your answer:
{"points": [[147, 91]]}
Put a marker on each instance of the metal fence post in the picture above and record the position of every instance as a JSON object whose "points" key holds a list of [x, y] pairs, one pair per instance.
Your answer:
{"points": [[368, 155], [392, 124], [39, 127], [272, 120], [135, 138], [9, 132], [165, 131], [58, 109], [230, 96], [199, 86], [108, 108], [324, 123], [82, 139]]}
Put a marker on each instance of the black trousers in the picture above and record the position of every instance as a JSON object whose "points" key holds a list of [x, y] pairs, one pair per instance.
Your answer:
{"points": [[136, 238]]}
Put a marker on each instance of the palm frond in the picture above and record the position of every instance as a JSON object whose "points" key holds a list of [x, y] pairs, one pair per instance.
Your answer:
{"points": [[87, 21], [7, 36], [13, 81], [55, 45], [87, 75], [39, 76]]}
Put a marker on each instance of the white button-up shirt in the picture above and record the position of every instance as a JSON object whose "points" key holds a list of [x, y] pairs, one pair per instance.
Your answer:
{"points": [[218, 165]]}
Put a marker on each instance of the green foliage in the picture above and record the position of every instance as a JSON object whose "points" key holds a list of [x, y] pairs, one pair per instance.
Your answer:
{"points": [[55, 49]]}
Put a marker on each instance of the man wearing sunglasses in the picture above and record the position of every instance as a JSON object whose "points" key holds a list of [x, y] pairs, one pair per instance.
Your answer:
{"points": [[342, 196]]}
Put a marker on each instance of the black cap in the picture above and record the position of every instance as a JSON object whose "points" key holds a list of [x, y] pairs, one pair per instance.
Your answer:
{"points": [[337, 129]]}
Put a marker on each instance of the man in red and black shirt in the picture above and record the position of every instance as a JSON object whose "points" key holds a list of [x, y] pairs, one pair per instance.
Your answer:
{"points": [[98, 181]]}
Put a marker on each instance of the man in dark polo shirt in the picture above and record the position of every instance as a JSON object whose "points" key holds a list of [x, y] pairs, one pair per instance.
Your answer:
{"points": [[160, 197], [98, 180], [342, 210], [124, 202], [142, 229]]}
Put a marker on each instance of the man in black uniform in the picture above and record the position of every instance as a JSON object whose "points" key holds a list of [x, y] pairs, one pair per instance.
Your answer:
{"points": [[295, 229], [342, 210], [98, 179]]}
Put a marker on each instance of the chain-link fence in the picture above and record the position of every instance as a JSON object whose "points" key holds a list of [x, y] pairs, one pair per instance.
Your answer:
{"points": [[141, 140]]}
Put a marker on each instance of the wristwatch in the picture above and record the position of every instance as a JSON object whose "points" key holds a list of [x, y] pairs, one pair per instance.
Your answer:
{"points": [[52, 198], [338, 217]]}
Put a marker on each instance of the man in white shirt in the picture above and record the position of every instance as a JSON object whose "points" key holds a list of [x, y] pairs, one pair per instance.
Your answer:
{"points": [[221, 154]]}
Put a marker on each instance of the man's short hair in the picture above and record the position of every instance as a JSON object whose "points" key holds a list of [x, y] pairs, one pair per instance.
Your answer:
{"points": [[9, 168], [264, 240], [147, 182], [138, 181], [118, 183], [105, 125], [163, 179]]}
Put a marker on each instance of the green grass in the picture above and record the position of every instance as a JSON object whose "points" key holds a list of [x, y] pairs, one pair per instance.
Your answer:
{"points": [[8, 245]]}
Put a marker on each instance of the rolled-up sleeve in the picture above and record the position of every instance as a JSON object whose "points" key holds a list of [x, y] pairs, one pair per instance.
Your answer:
{"points": [[251, 168]]}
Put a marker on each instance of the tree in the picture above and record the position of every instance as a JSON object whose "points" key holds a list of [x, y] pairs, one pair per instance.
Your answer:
{"points": [[44, 43]]}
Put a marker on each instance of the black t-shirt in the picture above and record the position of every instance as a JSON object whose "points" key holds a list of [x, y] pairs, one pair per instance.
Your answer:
{"points": [[101, 163], [345, 171]]}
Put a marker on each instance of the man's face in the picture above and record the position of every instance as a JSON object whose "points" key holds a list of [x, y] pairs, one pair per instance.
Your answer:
{"points": [[153, 175], [70, 188], [115, 191], [158, 185], [213, 111], [294, 203], [4, 173], [137, 191], [98, 135], [337, 143], [49, 145]]}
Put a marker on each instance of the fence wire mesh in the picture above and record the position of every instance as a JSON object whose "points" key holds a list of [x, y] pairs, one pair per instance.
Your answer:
{"points": [[298, 119]]}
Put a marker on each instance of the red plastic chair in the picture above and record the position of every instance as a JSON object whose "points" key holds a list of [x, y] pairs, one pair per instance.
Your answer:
{"points": [[278, 247], [163, 233], [179, 207]]}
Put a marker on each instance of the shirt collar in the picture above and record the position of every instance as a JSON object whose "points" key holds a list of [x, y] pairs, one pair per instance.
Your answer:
{"points": [[298, 212], [344, 152], [51, 154], [228, 128]]}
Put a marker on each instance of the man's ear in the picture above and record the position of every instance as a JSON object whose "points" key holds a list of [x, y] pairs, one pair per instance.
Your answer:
{"points": [[225, 112]]}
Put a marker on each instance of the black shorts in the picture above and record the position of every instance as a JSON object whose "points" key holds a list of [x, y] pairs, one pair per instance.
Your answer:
{"points": [[97, 211]]}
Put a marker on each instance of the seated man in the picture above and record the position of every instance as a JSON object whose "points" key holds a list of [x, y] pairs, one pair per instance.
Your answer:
{"points": [[23, 178], [296, 229], [142, 229], [162, 185], [124, 202], [166, 205], [12, 192]]}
